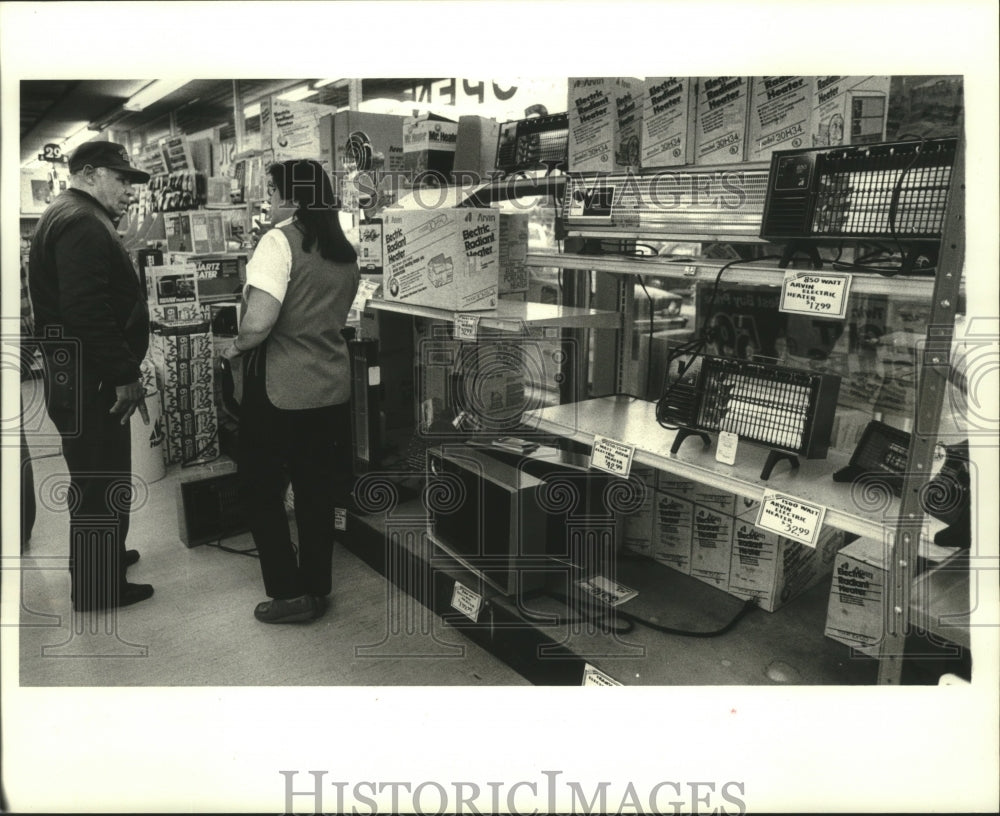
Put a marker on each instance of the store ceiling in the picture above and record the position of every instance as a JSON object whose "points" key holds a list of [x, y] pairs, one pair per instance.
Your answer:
{"points": [[52, 110]]}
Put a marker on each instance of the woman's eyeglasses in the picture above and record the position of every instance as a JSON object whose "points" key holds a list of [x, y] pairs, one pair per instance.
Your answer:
{"points": [[271, 188]]}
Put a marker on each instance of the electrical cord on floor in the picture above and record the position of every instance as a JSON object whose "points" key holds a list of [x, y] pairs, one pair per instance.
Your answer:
{"points": [[669, 630], [251, 552], [560, 621]]}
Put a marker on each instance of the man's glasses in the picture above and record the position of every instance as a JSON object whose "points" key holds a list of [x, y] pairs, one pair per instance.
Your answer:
{"points": [[271, 188]]}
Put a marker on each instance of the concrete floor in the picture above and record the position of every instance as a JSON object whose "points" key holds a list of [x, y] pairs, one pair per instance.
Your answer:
{"points": [[199, 630]]}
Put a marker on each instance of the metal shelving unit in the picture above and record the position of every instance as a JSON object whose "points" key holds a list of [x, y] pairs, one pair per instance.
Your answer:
{"points": [[901, 521], [513, 315]]}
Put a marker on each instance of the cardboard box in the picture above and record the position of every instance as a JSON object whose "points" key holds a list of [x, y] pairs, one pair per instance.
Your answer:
{"points": [[513, 274], [375, 138], [638, 529], [780, 109], [668, 120], [475, 149], [711, 547], [855, 614], [849, 109], [724, 501], [721, 120], [673, 531], [675, 485], [429, 144], [447, 259], [604, 124], [773, 569]]}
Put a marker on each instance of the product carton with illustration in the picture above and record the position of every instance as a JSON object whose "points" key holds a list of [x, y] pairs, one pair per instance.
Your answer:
{"points": [[447, 259], [849, 110], [773, 570], [668, 117], [721, 120], [604, 124]]}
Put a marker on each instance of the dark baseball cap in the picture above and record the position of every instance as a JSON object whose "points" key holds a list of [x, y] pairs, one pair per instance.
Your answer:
{"points": [[106, 154]]}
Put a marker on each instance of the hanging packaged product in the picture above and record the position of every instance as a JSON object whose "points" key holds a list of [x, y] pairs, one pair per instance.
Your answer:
{"points": [[604, 124], [513, 274], [447, 259], [668, 117], [721, 123]]}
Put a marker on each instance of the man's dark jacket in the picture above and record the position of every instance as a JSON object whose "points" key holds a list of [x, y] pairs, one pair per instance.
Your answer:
{"points": [[84, 286]]}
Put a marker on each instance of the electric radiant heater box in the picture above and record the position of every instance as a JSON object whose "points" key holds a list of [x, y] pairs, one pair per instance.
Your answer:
{"points": [[789, 410]]}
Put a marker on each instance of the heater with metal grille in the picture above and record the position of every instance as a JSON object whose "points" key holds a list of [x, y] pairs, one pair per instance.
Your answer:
{"points": [[533, 143], [710, 203], [890, 191], [789, 410]]}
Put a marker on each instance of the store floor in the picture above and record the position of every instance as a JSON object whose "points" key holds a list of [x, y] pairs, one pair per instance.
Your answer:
{"points": [[198, 629]]}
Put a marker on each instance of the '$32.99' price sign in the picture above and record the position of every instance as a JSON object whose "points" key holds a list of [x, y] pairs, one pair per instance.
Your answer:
{"points": [[790, 518]]}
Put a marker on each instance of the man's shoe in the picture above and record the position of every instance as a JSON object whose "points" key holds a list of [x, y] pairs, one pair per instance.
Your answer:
{"points": [[131, 556], [290, 610], [129, 594], [133, 593], [320, 604]]}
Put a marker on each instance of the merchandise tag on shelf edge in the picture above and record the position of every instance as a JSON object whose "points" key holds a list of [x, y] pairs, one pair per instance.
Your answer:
{"points": [[725, 451], [611, 456], [466, 601], [790, 517], [340, 518], [595, 677], [374, 375], [815, 293], [466, 326]]}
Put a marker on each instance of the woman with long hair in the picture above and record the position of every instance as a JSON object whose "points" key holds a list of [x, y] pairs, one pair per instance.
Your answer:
{"points": [[294, 414]]}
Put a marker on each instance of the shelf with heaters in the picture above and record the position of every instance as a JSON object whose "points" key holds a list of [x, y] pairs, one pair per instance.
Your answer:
{"points": [[865, 512], [699, 270]]}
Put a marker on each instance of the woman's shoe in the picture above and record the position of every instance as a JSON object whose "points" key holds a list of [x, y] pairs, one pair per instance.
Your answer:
{"points": [[291, 610], [320, 604]]}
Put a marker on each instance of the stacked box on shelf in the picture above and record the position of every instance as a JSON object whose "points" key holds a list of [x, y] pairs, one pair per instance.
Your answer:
{"points": [[721, 122], [772, 569], [668, 116], [604, 124], [182, 355], [638, 525], [673, 530]]}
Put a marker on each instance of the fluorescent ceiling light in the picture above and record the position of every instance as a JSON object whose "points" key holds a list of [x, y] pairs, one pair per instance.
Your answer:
{"points": [[297, 94], [319, 83], [252, 110], [153, 93], [84, 134]]}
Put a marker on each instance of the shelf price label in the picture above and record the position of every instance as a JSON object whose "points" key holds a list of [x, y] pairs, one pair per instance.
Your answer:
{"points": [[595, 677], [611, 456], [466, 601], [466, 326], [790, 517], [815, 293]]}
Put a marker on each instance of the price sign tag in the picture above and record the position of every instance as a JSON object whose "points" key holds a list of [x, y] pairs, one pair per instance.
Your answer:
{"points": [[466, 601], [816, 294], [790, 517], [466, 326], [611, 456], [340, 518], [595, 677], [52, 153], [725, 452]]}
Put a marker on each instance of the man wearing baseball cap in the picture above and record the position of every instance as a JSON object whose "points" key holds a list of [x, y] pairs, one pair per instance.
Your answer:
{"points": [[93, 326]]}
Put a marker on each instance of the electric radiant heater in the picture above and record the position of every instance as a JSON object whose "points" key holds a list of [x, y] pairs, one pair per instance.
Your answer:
{"points": [[894, 191], [691, 203], [533, 143], [789, 410]]}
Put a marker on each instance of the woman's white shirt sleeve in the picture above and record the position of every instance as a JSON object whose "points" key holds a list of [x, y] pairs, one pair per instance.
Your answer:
{"points": [[270, 268]]}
